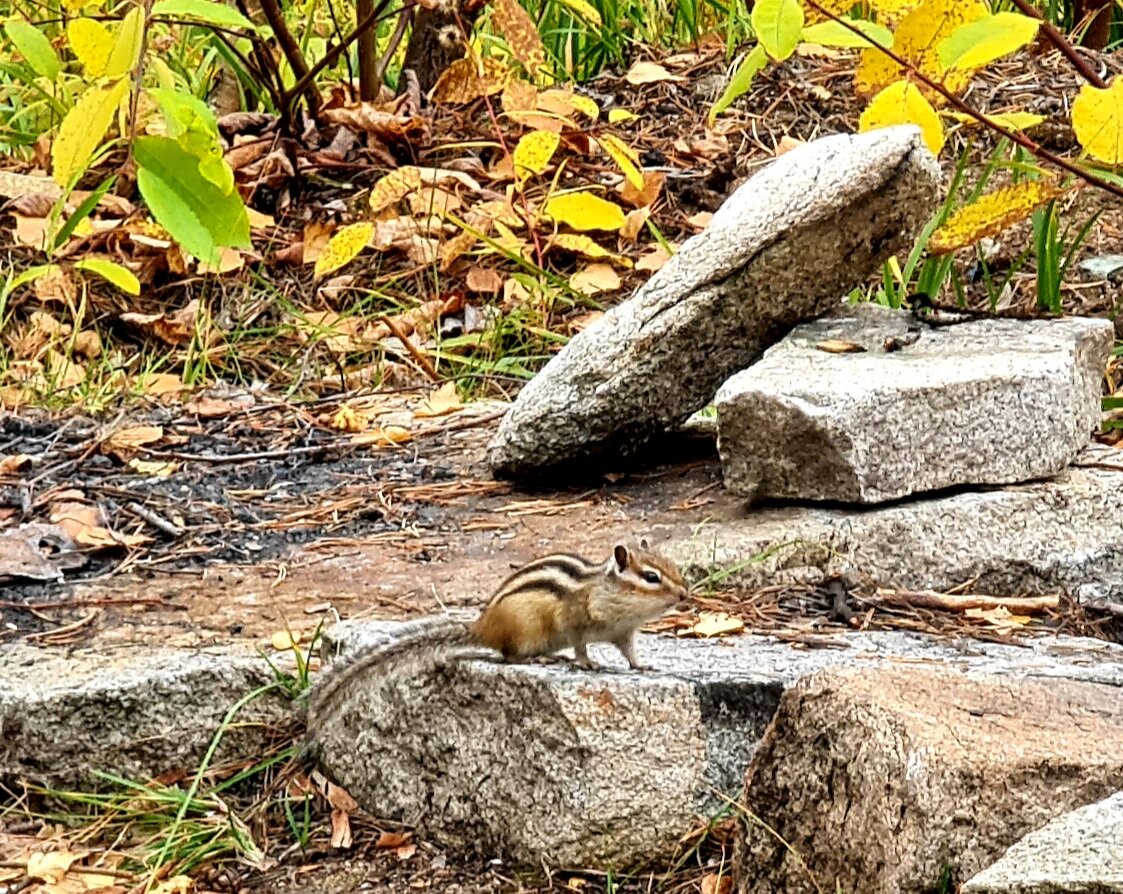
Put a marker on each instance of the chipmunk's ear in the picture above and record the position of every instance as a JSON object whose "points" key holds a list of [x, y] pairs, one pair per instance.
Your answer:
{"points": [[620, 554], [643, 544]]}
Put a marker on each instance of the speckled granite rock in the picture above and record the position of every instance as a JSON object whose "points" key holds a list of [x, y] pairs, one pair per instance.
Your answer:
{"points": [[978, 403], [784, 248]]}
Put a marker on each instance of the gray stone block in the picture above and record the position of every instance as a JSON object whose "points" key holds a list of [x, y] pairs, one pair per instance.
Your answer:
{"points": [[130, 713], [783, 249], [978, 403], [608, 769], [1077, 853], [1059, 535]]}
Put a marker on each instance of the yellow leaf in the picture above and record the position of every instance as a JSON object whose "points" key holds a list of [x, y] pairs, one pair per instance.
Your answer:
{"points": [[625, 157], [583, 245], [903, 103], [584, 10], [523, 39], [394, 187], [595, 278], [615, 116], [441, 402], [836, 34], [343, 247], [177, 884], [586, 106], [890, 12], [585, 211], [153, 469], [714, 624], [462, 81], [83, 128], [643, 72], [92, 43], [1009, 120], [1097, 118], [533, 153], [918, 40], [386, 436], [346, 418], [284, 640], [126, 48], [992, 213]]}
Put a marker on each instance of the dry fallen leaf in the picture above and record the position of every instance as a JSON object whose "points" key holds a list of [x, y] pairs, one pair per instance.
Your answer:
{"points": [[340, 829], [154, 469], [653, 260], [717, 884], [709, 624], [595, 278], [285, 640], [387, 840], [383, 436], [649, 73], [124, 442], [441, 402], [14, 464]]}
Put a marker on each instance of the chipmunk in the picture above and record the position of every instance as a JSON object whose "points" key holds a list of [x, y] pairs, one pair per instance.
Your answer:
{"points": [[549, 604]]}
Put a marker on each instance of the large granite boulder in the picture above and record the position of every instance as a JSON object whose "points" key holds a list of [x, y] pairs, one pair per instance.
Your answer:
{"points": [[783, 249]]}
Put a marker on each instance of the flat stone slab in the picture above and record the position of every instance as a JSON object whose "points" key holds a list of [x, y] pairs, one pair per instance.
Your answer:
{"points": [[981, 402], [1062, 535], [552, 764], [784, 248], [132, 713], [900, 780], [1078, 853]]}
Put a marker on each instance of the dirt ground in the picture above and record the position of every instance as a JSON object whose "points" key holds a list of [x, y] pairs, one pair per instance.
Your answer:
{"points": [[270, 543]]}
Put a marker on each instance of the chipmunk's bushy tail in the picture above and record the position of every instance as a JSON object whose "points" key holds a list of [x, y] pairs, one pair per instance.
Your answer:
{"points": [[421, 643]]}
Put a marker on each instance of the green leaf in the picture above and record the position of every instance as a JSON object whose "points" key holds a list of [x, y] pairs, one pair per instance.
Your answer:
{"points": [[835, 34], [30, 275], [200, 217], [205, 10], [976, 43], [83, 128], [122, 277], [191, 122], [126, 48], [777, 25], [34, 47], [741, 81], [84, 210]]}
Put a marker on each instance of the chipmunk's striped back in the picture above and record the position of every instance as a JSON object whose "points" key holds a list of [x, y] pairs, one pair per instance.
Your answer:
{"points": [[561, 574]]}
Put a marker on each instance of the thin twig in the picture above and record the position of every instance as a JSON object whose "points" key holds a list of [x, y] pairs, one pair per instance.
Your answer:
{"points": [[157, 521], [422, 361]]}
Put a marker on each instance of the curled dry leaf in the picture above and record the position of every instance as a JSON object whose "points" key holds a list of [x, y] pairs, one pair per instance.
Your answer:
{"points": [[153, 469], [646, 195], [393, 840], [383, 436], [340, 829], [518, 96], [177, 328], [339, 798], [14, 464], [839, 346], [717, 884]]}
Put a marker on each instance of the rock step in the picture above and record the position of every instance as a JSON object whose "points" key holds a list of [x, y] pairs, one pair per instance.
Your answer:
{"points": [[555, 765], [1056, 536]]}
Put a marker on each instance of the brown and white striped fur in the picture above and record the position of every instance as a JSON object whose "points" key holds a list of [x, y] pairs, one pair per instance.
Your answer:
{"points": [[556, 602]]}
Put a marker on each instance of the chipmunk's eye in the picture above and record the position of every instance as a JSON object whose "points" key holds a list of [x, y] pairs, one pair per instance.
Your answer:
{"points": [[652, 577]]}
